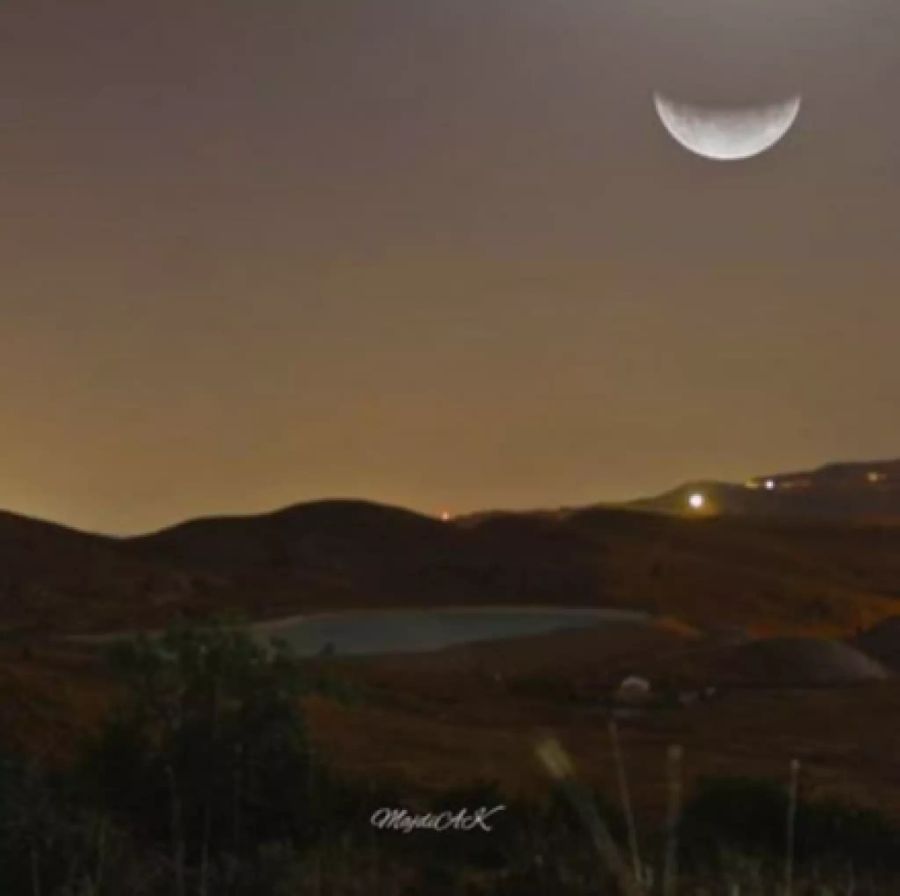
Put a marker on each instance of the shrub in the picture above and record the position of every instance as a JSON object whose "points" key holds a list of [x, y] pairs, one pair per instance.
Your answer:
{"points": [[749, 816], [207, 749]]}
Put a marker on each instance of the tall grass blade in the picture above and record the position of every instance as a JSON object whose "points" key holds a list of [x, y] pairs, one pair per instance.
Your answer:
{"points": [[625, 797], [791, 827], [673, 819], [559, 765]]}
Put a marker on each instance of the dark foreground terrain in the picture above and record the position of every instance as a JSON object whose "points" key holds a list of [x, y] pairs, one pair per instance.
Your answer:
{"points": [[211, 730]]}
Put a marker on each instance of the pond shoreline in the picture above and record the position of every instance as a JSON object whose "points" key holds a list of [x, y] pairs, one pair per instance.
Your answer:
{"points": [[404, 630]]}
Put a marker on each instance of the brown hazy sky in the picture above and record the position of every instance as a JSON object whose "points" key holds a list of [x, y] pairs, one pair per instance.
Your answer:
{"points": [[435, 252]]}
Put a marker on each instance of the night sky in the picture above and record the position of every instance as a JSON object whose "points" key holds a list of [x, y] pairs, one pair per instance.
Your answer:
{"points": [[438, 253]]}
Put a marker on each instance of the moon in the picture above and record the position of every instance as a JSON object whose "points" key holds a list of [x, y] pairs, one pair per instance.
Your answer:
{"points": [[727, 134]]}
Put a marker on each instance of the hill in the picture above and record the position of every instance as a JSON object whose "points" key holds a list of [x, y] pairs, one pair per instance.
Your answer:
{"points": [[55, 578], [883, 642], [860, 492], [766, 572]]}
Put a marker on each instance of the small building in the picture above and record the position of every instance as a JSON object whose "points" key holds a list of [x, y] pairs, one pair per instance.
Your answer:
{"points": [[634, 690]]}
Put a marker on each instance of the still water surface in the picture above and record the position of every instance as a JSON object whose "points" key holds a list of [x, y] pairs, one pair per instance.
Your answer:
{"points": [[407, 631]]}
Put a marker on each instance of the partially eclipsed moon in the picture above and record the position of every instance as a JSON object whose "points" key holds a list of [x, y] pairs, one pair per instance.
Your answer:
{"points": [[727, 134]]}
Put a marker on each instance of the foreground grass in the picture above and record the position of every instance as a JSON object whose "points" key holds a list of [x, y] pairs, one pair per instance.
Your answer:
{"points": [[202, 781]]}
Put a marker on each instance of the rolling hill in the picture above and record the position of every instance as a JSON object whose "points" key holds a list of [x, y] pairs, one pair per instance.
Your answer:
{"points": [[839, 492], [812, 552], [766, 574]]}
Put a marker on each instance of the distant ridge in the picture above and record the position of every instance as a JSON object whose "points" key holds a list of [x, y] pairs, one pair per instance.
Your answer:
{"points": [[281, 536], [850, 492]]}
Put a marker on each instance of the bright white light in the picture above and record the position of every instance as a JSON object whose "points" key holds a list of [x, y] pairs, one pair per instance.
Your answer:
{"points": [[445, 517], [697, 501], [770, 484]]}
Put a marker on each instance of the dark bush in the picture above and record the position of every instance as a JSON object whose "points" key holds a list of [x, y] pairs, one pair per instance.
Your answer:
{"points": [[750, 815]]}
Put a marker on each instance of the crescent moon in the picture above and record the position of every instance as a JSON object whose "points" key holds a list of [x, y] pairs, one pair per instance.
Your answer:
{"points": [[727, 134]]}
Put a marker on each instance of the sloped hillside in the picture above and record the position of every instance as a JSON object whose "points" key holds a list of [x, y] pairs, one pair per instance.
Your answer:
{"points": [[768, 576]]}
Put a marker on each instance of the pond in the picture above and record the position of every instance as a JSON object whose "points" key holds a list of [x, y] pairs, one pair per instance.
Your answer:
{"points": [[370, 632]]}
